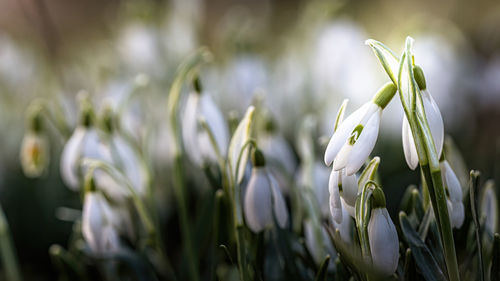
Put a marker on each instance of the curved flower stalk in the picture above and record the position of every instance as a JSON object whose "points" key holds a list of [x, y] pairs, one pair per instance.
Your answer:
{"points": [[433, 118], [83, 143], [263, 199], [383, 237], [197, 141], [354, 139], [454, 195]]}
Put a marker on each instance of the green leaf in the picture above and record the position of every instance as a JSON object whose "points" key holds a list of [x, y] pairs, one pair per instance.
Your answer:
{"points": [[323, 269], [423, 257], [387, 58], [473, 188], [238, 147]]}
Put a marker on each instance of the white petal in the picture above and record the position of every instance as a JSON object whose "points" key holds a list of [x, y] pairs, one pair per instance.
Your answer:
{"points": [[349, 188], [130, 162], [364, 145], [457, 214], [351, 210], [384, 243], [190, 128], [409, 148], [257, 203], [110, 240], [93, 220], [340, 136], [451, 180], [489, 209], [435, 121], [69, 159], [279, 205], [216, 123], [335, 204]]}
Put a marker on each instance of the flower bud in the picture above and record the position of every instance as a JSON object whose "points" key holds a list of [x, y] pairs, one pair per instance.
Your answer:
{"points": [[384, 242], [263, 201]]}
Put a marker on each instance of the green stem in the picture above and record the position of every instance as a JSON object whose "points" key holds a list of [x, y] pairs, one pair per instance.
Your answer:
{"points": [[183, 218], [7, 251]]}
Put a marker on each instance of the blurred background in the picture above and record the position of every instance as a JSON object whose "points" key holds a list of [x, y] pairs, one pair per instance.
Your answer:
{"points": [[299, 57]]}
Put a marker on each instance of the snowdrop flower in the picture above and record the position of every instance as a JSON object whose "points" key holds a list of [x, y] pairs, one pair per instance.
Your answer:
{"points": [[355, 138], [454, 193], [489, 208], [97, 228], [84, 143], [124, 157], [433, 118], [34, 154], [383, 237], [200, 106], [263, 199], [343, 185]]}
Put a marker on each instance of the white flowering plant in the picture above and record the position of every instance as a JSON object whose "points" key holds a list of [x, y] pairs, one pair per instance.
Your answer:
{"points": [[234, 200]]}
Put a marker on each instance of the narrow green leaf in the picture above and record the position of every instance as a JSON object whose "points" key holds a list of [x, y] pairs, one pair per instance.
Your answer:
{"points": [[423, 257], [323, 270], [238, 148], [387, 58]]}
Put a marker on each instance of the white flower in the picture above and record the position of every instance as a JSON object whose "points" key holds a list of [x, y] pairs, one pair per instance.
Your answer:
{"points": [[264, 201], [435, 124], [384, 243], [129, 161], [354, 139], [34, 154], [452, 185], [84, 143], [197, 142], [97, 228], [343, 185]]}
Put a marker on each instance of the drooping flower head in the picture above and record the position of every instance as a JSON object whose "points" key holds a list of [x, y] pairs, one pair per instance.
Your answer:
{"points": [[263, 202], [434, 119], [355, 138], [383, 237], [198, 143], [83, 143]]}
